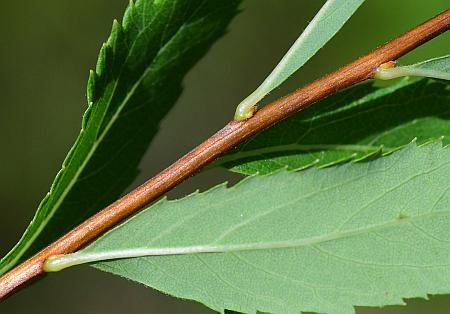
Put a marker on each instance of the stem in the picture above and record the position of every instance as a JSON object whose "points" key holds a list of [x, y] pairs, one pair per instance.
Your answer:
{"points": [[231, 135]]}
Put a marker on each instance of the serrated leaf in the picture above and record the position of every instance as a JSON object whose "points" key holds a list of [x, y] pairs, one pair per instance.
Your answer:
{"points": [[320, 240], [438, 68], [356, 123], [137, 80], [327, 22]]}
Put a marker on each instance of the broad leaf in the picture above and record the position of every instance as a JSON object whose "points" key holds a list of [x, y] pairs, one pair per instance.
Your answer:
{"points": [[320, 240], [361, 121], [327, 22], [137, 80], [436, 68]]}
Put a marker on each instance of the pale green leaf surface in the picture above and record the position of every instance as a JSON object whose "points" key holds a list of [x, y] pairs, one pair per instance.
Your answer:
{"points": [[438, 68], [137, 80], [327, 22], [360, 121], [320, 240]]}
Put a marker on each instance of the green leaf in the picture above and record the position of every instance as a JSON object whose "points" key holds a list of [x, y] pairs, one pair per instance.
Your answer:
{"points": [[353, 124], [438, 68], [137, 80], [320, 240], [327, 22]]}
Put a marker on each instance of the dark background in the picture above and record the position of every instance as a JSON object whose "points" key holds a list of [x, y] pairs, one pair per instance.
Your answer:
{"points": [[46, 50]]}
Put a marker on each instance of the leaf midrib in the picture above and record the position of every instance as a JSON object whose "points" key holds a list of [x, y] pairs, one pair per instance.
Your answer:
{"points": [[255, 246]]}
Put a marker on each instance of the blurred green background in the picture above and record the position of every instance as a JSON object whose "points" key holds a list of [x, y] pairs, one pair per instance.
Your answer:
{"points": [[46, 50]]}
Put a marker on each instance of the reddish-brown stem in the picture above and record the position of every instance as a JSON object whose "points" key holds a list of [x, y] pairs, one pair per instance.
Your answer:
{"points": [[232, 134]]}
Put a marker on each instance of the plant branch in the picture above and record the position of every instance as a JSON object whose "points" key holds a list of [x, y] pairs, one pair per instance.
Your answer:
{"points": [[231, 135]]}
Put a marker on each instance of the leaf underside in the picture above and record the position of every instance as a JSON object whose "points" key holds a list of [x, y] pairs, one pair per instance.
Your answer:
{"points": [[436, 68], [358, 122], [327, 22], [319, 240], [137, 80]]}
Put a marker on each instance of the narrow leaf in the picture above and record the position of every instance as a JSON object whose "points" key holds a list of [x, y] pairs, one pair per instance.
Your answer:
{"points": [[327, 22], [438, 68], [366, 234], [137, 80], [361, 121]]}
